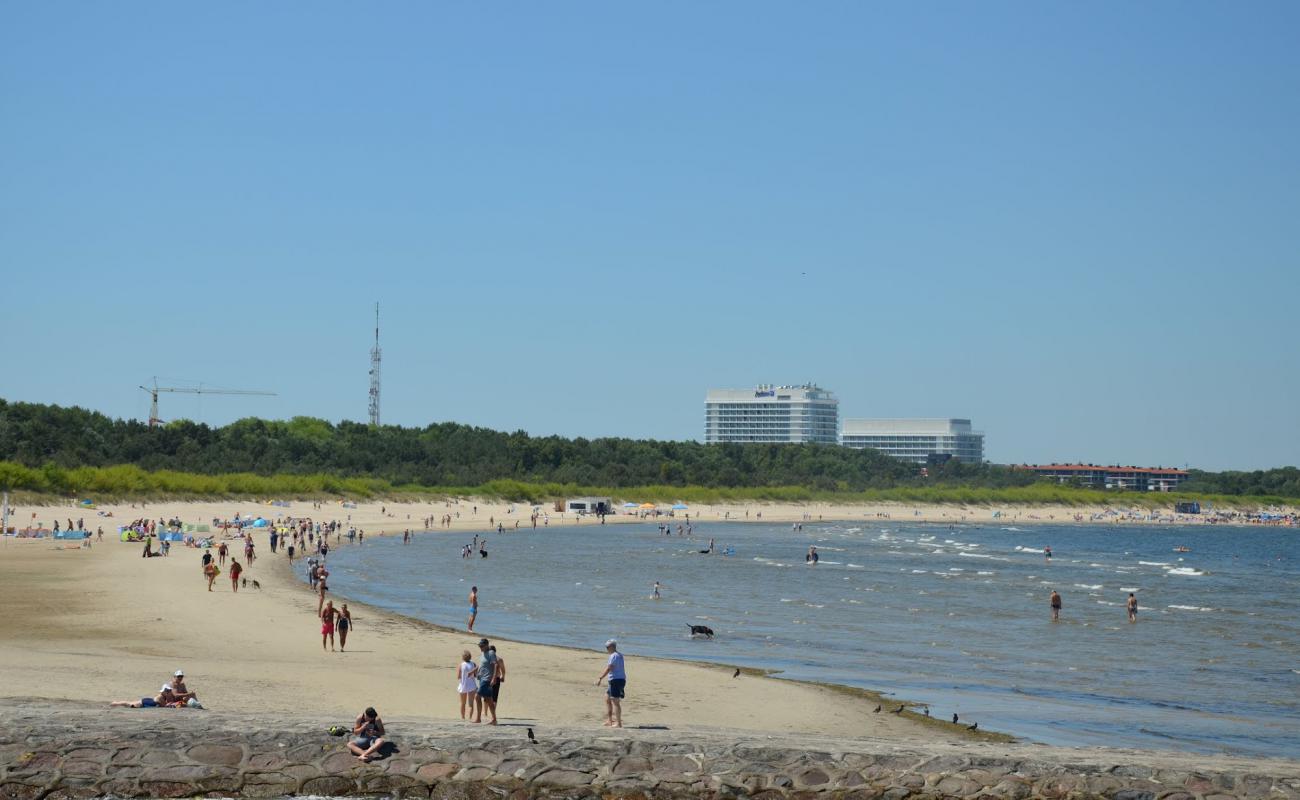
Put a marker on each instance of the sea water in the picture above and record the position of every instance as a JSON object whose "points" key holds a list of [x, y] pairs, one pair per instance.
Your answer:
{"points": [[955, 617]]}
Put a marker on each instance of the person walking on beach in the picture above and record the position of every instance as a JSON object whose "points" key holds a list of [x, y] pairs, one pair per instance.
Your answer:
{"points": [[222, 552], [320, 588], [487, 676], [473, 607], [1132, 607], [211, 570], [1056, 606], [467, 684], [617, 683], [344, 625], [327, 615], [235, 571]]}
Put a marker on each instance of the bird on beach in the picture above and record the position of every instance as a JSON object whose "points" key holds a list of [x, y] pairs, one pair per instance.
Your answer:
{"points": [[877, 711], [927, 711], [973, 726], [898, 710], [736, 674], [531, 737], [954, 719]]}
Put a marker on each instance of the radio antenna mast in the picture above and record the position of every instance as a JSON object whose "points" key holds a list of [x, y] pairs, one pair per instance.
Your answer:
{"points": [[376, 355]]}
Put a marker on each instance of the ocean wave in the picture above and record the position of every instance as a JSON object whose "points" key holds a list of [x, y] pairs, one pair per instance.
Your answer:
{"points": [[982, 555], [1184, 571], [1191, 608], [1155, 563], [1087, 586], [1128, 589]]}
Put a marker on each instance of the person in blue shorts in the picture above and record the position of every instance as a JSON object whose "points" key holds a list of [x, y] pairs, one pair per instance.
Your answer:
{"points": [[617, 683], [165, 697]]}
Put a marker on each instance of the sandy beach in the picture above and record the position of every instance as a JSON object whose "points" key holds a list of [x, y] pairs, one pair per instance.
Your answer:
{"points": [[102, 624]]}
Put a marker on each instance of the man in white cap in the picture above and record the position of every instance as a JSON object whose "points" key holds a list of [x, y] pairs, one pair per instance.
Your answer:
{"points": [[617, 682], [181, 692]]}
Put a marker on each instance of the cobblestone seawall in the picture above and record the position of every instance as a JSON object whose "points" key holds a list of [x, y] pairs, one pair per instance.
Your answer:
{"points": [[51, 751]]}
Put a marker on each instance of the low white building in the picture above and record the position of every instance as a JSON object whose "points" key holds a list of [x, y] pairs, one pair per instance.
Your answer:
{"points": [[916, 440], [589, 505]]}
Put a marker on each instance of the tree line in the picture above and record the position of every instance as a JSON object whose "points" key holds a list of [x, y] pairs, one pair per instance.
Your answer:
{"points": [[449, 454]]}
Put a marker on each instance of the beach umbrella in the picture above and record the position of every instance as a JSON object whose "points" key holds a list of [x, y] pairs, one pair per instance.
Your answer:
{"points": [[646, 505], [680, 507]]}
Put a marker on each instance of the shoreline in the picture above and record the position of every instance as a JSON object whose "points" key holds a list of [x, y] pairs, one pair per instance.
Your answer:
{"points": [[409, 650], [866, 695], [101, 624]]}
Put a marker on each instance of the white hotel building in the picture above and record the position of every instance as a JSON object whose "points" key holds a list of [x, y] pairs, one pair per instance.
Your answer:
{"points": [[771, 414], [916, 439]]}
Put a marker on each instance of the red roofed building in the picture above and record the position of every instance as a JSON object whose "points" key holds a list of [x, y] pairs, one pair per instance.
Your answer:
{"points": [[1137, 479]]}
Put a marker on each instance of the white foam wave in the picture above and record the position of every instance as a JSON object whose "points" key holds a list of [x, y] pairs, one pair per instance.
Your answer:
{"points": [[1154, 563], [1087, 586], [1191, 608], [1128, 589], [1184, 571]]}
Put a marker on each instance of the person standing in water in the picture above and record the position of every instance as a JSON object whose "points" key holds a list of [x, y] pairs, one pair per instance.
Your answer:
{"points": [[1132, 607], [654, 595], [473, 606], [1055, 601]]}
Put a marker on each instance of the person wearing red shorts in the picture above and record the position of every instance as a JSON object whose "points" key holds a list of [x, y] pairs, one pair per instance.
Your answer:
{"points": [[327, 616], [235, 570]]}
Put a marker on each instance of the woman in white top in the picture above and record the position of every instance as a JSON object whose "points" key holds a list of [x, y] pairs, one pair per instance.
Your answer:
{"points": [[466, 682]]}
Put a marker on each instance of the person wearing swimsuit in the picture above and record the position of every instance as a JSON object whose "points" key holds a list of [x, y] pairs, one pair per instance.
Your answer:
{"points": [[344, 625], [473, 606]]}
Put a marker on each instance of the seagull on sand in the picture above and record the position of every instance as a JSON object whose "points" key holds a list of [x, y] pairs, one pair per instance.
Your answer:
{"points": [[898, 710], [973, 726], [531, 737], [736, 674], [877, 711]]}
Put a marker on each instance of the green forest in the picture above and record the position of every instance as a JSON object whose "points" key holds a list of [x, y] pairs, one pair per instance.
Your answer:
{"points": [[52, 449]]}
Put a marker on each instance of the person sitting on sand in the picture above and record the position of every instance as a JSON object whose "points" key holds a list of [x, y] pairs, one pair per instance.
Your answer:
{"points": [[163, 698], [179, 690], [368, 731]]}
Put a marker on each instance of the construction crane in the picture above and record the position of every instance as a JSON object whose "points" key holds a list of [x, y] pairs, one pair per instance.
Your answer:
{"points": [[155, 389]]}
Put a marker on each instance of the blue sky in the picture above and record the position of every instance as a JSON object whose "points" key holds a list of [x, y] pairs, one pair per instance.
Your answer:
{"points": [[1076, 224]]}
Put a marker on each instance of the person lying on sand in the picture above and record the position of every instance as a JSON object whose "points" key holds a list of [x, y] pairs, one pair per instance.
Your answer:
{"points": [[163, 698]]}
